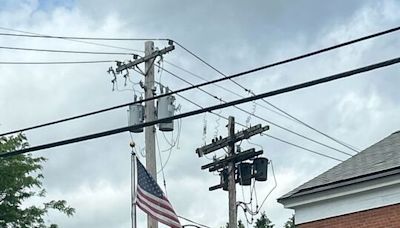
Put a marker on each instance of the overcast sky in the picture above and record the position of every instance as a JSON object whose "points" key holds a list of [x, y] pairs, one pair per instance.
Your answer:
{"points": [[94, 176]]}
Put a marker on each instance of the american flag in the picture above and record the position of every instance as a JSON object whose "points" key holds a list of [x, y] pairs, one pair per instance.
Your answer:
{"points": [[151, 199]]}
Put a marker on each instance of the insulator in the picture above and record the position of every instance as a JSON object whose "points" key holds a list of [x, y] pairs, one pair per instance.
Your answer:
{"points": [[136, 116], [244, 173], [260, 169], [165, 109]]}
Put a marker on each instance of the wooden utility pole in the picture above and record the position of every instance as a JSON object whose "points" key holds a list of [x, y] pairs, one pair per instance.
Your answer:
{"points": [[227, 165], [231, 176], [150, 116], [149, 111]]}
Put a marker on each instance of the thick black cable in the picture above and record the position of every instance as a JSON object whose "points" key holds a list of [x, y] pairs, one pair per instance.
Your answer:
{"points": [[259, 117], [202, 84], [274, 106], [264, 134], [314, 129], [224, 88], [358, 70], [287, 115], [65, 51], [210, 108], [299, 56], [295, 59]]}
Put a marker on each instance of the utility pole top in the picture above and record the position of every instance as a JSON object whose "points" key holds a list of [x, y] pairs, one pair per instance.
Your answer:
{"points": [[146, 58]]}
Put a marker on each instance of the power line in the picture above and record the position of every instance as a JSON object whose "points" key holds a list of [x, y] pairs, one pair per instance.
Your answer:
{"points": [[295, 59], [279, 109], [35, 35], [208, 109], [259, 117], [287, 115], [58, 62], [345, 74], [264, 134], [73, 40], [202, 84], [65, 51], [189, 220], [224, 88]]}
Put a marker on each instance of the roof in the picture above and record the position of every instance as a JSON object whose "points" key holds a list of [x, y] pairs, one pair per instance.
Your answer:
{"points": [[380, 159]]}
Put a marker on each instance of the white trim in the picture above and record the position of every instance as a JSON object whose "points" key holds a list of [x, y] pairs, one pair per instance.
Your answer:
{"points": [[347, 199]]}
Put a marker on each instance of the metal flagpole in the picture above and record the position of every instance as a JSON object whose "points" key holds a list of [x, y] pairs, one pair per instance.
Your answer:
{"points": [[133, 188]]}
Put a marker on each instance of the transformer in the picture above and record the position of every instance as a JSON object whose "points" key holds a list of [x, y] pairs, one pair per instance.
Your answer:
{"points": [[260, 169], [136, 116], [224, 179], [165, 109], [244, 173]]}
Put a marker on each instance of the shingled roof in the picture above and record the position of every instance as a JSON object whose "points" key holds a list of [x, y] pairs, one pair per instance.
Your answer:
{"points": [[380, 159]]}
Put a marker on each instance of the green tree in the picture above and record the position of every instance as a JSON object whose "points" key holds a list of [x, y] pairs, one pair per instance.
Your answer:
{"points": [[263, 222], [21, 179], [290, 223], [240, 225]]}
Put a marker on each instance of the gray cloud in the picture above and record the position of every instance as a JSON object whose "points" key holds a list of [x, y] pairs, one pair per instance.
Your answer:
{"points": [[94, 176]]}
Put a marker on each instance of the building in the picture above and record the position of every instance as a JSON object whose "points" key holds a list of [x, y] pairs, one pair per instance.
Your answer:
{"points": [[363, 191]]}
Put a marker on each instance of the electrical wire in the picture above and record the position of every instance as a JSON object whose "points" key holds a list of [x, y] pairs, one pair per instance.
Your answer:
{"points": [[210, 82], [56, 62], [65, 51], [269, 193], [35, 35], [189, 220], [295, 59], [208, 109], [226, 89], [162, 165], [259, 117], [263, 134], [269, 103], [32, 34]]}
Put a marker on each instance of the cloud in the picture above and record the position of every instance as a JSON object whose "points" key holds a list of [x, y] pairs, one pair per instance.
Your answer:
{"points": [[94, 176]]}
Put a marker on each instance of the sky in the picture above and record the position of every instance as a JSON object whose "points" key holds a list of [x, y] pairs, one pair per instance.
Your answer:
{"points": [[233, 36]]}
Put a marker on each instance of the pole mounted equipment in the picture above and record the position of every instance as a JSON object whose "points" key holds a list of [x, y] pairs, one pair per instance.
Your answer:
{"points": [[234, 167], [224, 142]]}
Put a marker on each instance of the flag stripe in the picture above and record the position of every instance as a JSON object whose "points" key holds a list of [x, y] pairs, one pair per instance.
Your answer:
{"points": [[159, 209], [151, 199], [158, 217], [164, 202]]}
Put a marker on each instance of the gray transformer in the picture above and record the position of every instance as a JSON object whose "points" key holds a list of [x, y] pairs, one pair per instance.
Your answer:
{"points": [[136, 116], [166, 108]]}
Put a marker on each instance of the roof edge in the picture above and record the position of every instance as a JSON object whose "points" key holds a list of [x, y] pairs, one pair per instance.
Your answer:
{"points": [[342, 183]]}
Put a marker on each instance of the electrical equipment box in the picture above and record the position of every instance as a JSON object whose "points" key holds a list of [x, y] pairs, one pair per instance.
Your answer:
{"points": [[224, 179], [166, 108], [244, 173], [260, 169], [136, 116]]}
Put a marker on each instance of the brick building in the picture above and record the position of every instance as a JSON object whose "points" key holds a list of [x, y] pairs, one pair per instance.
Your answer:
{"points": [[363, 191]]}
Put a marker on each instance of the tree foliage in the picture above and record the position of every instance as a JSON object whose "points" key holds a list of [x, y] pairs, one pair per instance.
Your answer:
{"points": [[263, 222], [290, 223], [240, 225], [21, 179]]}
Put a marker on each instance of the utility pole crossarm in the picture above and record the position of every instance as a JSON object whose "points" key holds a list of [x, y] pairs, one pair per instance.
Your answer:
{"points": [[145, 58], [236, 158], [245, 134]]}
